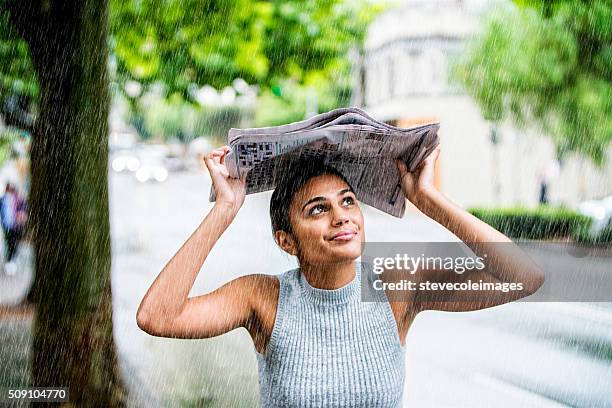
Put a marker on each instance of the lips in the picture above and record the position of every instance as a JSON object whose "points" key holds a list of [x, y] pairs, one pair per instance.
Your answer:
{"points": [[344, 235]]}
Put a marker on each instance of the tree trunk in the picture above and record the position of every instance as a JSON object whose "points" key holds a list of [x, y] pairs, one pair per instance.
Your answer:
{"points": [[73, 340]]}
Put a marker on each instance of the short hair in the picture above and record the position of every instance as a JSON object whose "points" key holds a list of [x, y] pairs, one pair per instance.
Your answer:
{"points": [[289, 183]]}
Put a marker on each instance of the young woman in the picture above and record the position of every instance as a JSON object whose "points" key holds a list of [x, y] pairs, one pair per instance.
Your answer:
{"points": [[317, 342]]}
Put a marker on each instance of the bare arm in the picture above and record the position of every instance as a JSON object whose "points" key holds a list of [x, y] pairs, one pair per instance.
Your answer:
{"points": [[166, 309], [506, 262]]}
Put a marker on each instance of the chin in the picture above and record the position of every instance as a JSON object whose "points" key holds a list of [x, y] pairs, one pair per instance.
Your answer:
{"points": [[350, 252], [336, 256]]}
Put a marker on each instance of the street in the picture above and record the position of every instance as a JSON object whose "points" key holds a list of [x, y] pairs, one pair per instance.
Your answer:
{"points": [[521, 354]]}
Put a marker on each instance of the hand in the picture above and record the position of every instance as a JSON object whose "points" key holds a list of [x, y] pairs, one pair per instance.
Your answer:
{"points": [[421, 181], [229, 191]]}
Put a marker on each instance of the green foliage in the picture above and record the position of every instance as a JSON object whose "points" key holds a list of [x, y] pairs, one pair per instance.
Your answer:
{"points": [[17, 75], [191, 43], [602, 237], [305, 36], [181, 42], [273, 110], [163, 119], [541, 223], [291, 49], [287, 101], [185, 44], [16, 71], [550, 64], [7, 138], [217, 121]]}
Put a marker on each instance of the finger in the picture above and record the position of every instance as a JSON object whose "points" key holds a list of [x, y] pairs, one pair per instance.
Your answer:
{"points": [[209, 166], [433, 156], [217, 152], [220, 159], [213, 157], [429, 164], [401, 166], [226, 151], [207, 161], [430, 161], [212, 164]]}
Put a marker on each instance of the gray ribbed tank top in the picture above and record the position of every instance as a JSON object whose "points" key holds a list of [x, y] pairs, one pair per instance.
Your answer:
{"points": [[330, 349]]}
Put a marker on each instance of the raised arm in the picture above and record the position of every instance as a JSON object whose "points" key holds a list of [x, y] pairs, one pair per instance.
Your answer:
{"points": [[506, 262], [166, 310]]}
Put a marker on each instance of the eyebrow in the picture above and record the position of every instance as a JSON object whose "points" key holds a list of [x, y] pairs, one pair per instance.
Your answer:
{"points": [[319, 198]]}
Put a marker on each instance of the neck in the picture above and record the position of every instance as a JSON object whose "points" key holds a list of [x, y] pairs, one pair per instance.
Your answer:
{"points": [[329, 275]]}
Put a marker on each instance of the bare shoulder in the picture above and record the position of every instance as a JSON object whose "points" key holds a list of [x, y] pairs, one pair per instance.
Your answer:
{"points": [[261, 287], [402, 302], [260, 290], [264, 292]]}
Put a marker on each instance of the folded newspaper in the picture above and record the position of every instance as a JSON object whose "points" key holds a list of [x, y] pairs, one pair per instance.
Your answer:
{"points": [[363, 149]]}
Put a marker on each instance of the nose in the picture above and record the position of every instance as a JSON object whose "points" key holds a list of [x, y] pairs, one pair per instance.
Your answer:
{"points": [[340, 216]]}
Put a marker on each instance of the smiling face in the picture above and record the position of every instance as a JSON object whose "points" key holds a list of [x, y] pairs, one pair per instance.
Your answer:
{"points": [[326, 222]]}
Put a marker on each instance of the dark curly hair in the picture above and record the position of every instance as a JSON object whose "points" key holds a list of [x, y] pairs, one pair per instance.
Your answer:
{"points": [[289, 183]]}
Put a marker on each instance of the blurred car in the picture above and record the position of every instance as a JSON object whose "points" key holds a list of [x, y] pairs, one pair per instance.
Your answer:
{"points": [[152, 172], [175, 160], [600, 211], [175, 163], [152, 163], [125, 160]]}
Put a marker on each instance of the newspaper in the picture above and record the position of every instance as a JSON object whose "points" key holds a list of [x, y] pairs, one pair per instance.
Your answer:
{"points": [[363, 149]]}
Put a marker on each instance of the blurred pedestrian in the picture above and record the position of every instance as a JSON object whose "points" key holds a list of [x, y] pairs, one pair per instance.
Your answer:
{"points": [[13, 216], [546, 175]]}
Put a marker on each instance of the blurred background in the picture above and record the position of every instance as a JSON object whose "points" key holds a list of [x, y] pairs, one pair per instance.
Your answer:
{"points": [[103, 126]]}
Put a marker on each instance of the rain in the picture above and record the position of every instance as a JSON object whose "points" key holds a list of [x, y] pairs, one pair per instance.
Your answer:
{"points": [[108, 109]]}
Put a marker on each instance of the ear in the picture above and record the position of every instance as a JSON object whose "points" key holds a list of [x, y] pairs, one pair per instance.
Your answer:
{"points": [[286, 242]]}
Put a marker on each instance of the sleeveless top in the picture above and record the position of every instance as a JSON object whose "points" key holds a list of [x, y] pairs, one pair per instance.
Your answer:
{"points": [[328, 348]]}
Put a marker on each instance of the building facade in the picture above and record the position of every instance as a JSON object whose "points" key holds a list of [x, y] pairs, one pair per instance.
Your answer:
{"points": [[404, 80]]}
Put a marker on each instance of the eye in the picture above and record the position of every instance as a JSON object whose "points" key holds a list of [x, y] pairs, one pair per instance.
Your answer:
{"points": [[317, 209], [348, 200]]}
